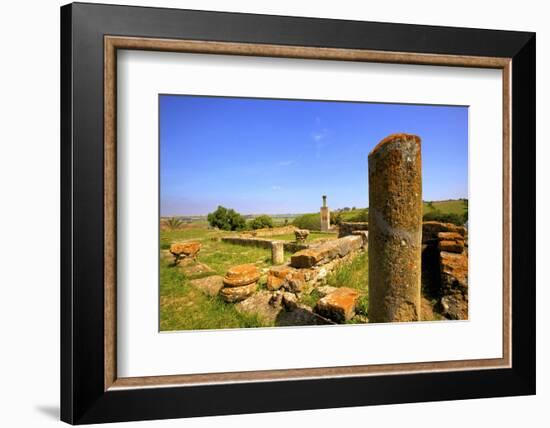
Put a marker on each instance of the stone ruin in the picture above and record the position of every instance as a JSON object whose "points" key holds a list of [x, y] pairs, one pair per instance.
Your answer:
{"points": [[403, 254], [347, 228], [186, 251], [239, 283], [395, 229], [445, 267], [301, 235]]}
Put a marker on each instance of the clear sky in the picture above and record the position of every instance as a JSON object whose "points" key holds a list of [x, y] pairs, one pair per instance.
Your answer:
{"points": [[280, 156]]}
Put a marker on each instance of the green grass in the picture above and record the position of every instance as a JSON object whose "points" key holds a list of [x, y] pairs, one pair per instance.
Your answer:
{"points": [[313, 236], [353, 275], [456, 206], [182, 307]]}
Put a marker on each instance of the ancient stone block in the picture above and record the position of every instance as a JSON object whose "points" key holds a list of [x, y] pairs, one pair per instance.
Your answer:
{"points": [[290, 301], [339, 305], [277, 276], [325, 290], [240, 275], [395, 229], [211, 285], [348, 227], [454, 272], [236, 294], [451, 246], [195, 269], [326, 251], [430, 230], [301, 235], [277, 253], [364, 234], [301, 315], [259, 304], [182, 250], [455, 306]]}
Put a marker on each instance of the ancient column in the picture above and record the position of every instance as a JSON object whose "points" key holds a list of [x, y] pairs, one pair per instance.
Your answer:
{"points": [[277, 253], [325, 216], [395, 229]]}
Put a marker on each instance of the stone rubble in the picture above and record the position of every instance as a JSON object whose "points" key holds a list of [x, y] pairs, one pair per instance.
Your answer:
{"points": [[339, 305]]}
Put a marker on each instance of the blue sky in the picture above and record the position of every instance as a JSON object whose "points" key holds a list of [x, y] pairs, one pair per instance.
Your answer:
{"points": [[280, 156]]}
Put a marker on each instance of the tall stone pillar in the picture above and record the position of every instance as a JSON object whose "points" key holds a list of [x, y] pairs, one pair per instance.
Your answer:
{"points": [[395, 229], [325, 216]]}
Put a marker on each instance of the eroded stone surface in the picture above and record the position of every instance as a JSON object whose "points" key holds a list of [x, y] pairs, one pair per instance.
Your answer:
{"points": [[301, 315], [236, 294], [277, 253], [211, 285], [182, 250], [326, 251], [395, 229], [430, 230], [349, 227], [325, 290], [195, 269], [277, 276], [455, 306], [261, 305], [301, 235], [339, 305], [240, 275], [454, 272]]}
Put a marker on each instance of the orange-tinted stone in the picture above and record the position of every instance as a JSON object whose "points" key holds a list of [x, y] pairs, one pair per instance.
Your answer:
{"points": [[186, 249], [339, 306], [395, 229], [240, 275]]}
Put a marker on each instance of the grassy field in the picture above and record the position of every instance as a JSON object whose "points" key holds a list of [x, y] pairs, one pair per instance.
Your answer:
{"points": [[184, 308], [353, 275], [313, 236], [456, 206]]}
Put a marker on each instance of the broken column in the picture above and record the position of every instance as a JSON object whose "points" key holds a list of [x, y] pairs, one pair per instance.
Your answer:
{"points": [[325, 216], [395, 229], [277, 253]]}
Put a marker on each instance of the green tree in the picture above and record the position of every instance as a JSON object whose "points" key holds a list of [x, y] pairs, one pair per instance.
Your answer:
{"points": [[226, 219], [308, 221], [261, 222]]}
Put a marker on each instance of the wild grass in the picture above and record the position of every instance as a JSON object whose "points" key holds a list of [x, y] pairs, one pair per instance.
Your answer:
{"points": [[313, 236], [353, 275], [182, 307]]}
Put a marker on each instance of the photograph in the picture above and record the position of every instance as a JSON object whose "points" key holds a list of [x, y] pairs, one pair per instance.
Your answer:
{"points": [[291, 212]]}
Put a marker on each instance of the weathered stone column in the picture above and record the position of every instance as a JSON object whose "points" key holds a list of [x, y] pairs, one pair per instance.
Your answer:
{"points": [[325, 216], [277, 253], [395, 229]]}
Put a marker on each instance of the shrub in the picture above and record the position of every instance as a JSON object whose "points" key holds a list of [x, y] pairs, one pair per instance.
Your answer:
{"points": [[174, 223], [226, 219], [308, 221], [336, 217], [361, 215], [261, 222]]}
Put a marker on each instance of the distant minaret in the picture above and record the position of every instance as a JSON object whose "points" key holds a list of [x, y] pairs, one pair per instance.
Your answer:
{"points": [[325, 216]]}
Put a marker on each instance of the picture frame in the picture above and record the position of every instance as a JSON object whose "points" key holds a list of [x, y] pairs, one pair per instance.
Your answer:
{"points": [[91, 391]]}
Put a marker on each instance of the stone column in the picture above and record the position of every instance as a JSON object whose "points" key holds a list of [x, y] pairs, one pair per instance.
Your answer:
{"points": [[325, 216], [277, 253], [395, 229]]}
